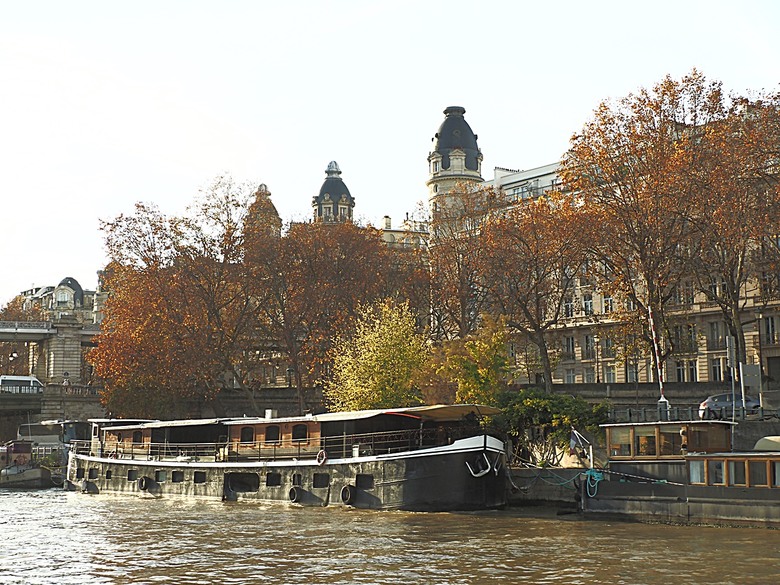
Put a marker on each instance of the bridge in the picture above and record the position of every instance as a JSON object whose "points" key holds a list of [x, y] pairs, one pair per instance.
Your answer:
{"points": [[26, 330], [56, 347]]}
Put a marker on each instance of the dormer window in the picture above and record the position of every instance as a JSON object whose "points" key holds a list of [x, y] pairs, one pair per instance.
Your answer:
{"points": [[63, 298], [435, 167]]}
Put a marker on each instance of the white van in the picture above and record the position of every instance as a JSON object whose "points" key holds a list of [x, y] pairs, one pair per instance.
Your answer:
{"points": [[20, 385]]}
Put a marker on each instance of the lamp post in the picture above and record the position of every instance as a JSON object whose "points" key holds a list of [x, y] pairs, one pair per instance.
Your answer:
{"points": [[759, 321], [597, 342]]}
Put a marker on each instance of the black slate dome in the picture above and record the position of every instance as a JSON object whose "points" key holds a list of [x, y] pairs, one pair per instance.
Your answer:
{"points": [[454, 133], [334, 185]]}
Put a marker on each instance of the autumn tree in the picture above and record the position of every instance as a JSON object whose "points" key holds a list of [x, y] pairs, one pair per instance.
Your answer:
{"points": [[736, 208], [377, 364], [179, 316], [630, 166], [308, 285], [531, 257], [455, 253]]}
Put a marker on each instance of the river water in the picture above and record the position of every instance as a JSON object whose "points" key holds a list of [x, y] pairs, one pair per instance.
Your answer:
{"points": [[56, 537]]}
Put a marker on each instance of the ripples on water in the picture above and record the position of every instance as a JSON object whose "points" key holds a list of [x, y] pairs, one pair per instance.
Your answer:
{"points": [[54, 537]]}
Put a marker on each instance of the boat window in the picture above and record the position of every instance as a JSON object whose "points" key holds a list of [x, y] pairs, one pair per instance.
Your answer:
{"points": [[696, 471], [119, 437], [247, 434], [93, 473], [108, 474], [620, 441], [160, 475], [737, 473], [709, 438], [138, 437], [80, 473], [775, 469], [242, 482], [644, 441], [321, 480], [300, 432], [199, 477], [715, 471], [364, 481], [273, 479], [272, 434], [297, 479], [132, 475], [177, 476], [757, 471], [671, 440]]}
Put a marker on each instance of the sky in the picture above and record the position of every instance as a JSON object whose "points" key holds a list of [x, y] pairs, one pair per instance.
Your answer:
{"points": [[105, 104]]}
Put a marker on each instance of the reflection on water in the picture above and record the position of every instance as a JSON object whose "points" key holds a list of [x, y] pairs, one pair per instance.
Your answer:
{"points": [[57, 537]]}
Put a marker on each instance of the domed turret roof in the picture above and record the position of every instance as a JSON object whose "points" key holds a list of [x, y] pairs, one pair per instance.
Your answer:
{"points": [[454, 133], [333, 185]]}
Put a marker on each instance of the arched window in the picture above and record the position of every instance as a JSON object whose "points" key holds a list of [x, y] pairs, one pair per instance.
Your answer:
{"points": [[247, 434], [272, 434], [300, 432]]}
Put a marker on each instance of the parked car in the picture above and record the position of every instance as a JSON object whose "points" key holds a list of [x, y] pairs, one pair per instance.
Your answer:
{"points": [[719, 405]]}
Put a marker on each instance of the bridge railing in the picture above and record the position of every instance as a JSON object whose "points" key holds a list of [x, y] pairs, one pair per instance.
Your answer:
{"points": [[25, 325], [21, 389]]}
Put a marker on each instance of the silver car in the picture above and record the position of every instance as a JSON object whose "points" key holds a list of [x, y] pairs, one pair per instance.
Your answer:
{"points": [[719, 405]]}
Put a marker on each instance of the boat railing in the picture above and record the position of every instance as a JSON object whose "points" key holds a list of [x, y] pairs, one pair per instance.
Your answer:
{"points": [[340, 446], [685, 412]]}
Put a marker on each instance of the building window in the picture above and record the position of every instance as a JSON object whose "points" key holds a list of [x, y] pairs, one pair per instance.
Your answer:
{"points": [[693, 371], [608, 306], [570, 376], [771, 331], [589, 348], [680, 369], [609, 374], [568, 307], [435, 166], [590, 375], [568, 348], [609, 348], [587, 303], [716, 372], [62, 298], [631, 372]]}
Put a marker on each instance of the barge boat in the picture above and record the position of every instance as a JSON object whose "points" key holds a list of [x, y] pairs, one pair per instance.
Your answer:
{"points": [[19, 469], [427, 458], [684, 472]]}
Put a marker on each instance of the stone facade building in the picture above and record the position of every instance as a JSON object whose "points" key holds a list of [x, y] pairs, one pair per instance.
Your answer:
{"points": [[585, 351]]}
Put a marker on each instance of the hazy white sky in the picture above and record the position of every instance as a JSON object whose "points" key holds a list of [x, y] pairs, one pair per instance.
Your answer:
{"points": [[103, 104]]}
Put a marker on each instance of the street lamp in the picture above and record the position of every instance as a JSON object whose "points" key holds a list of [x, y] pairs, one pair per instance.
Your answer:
{"points": [[597, 342], [759, 320]]}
